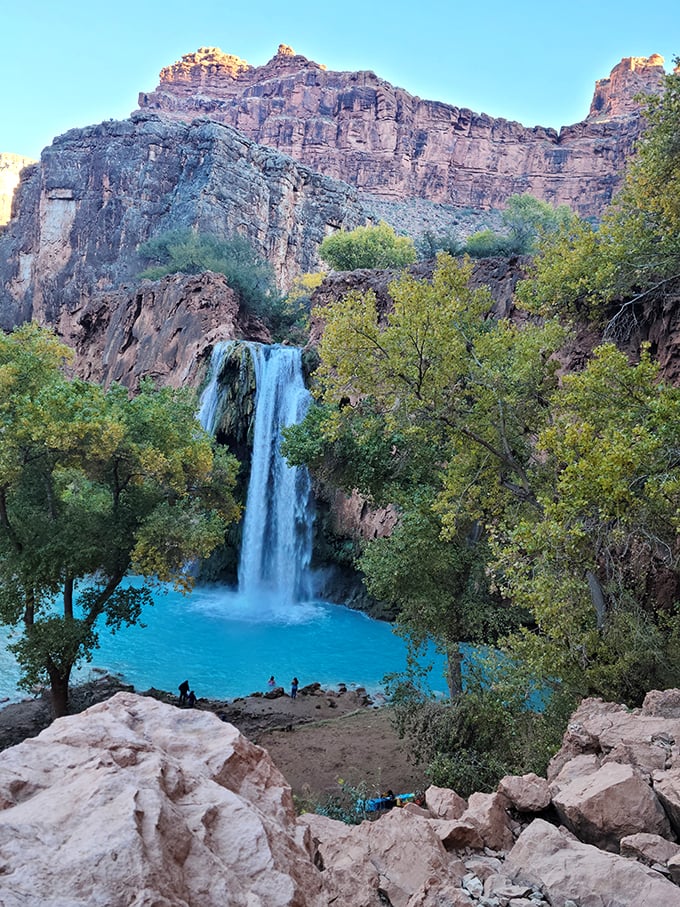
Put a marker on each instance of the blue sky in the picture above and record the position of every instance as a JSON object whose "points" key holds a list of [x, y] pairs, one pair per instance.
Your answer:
{"points": [[71, 63]]}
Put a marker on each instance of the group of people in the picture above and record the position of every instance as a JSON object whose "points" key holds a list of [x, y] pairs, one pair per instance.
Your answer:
{"points": [[187, 697], [271, 683]]}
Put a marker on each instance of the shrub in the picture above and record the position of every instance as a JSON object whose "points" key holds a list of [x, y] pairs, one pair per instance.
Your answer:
{"points": [[368, 247], [191, 252]]}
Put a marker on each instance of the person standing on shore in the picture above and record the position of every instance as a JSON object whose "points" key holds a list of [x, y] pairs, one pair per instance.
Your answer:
{"points": [[183, 692], [294, 688]]}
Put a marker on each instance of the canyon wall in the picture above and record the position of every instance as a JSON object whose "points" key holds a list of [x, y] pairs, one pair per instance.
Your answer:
{"points": [[11, 166], [360, 129], [101, 191]]}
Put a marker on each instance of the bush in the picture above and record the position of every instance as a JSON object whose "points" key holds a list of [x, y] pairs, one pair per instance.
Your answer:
{"points": [[191, 252], [368, 247], [471, 742]]}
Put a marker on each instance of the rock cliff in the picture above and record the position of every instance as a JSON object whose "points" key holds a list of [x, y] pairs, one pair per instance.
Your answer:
{"points": [[11, 166], [359, 128], [101, 191], [135, 802]]}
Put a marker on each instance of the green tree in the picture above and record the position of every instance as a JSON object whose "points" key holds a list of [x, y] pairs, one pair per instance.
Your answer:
{"points": [[590, 565], [368, 247], [449, 403], [603, 272], [525, 220], [94, 485], [191, 252]]}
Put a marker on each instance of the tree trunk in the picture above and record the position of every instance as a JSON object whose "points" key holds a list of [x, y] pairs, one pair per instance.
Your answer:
{"points": [[454, 673], [59, 689]]}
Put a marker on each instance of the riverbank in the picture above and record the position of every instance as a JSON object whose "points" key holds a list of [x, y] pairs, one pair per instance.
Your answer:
{"points": [[315, 740]]}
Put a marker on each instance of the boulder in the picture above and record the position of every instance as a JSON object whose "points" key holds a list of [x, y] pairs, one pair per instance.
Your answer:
{"points": [[580, 874], [444, 803], [649, 849], [606, 806], [488, 812], [667, 789], [399, 855], [138, 802], [527, 793]]}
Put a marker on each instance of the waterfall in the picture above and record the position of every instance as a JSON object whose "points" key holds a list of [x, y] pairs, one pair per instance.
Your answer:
{"points": [[276, 541], [211, 396]]}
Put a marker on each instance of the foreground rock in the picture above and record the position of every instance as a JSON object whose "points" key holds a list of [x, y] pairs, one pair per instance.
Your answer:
{"points": [[137, 802]]}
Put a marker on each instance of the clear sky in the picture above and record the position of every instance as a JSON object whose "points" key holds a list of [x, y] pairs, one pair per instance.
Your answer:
{"points": [[72, 63]]}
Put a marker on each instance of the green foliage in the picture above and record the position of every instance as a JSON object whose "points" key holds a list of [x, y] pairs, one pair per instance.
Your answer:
{"points": [[191, 252], [637, 247], [525, 220], [94, 484], [471, 742], [607, 525], [368, 247]]}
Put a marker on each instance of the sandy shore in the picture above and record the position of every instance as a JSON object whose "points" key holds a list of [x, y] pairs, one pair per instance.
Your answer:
{"points": [[315, 740]]}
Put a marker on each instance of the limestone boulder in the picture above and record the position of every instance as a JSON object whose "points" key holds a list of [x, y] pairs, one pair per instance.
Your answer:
{"points": [[606, 806], [574, 873], [138, 802], [444, 803], [527, 793], [400, 855], [667, 789], [488, 812], [649, 849]]}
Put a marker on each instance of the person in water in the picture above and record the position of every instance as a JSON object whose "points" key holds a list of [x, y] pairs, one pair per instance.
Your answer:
{"points": [[294, 688], [183, 692], [271, 683]]}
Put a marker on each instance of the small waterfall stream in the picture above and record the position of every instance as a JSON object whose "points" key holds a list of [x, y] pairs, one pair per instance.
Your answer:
{"points": [[276, 542]]}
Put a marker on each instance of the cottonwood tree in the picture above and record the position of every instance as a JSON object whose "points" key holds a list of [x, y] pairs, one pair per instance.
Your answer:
{"points": [[94, 485], [449, 401]]}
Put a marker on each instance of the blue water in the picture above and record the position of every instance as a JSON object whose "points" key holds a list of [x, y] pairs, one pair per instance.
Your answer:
{"points": [[227, 646]]}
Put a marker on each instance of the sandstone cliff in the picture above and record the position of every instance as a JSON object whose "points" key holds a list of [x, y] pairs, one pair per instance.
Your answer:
{"points": [[101, 191], [11, 166], [359, 128], [135, 802]]}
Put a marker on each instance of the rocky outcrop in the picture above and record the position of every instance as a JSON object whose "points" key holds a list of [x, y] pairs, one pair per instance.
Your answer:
{"points": [[100, 192], [160, 329], [632, 77], [381, 139], [135, 801], [11, 166]]}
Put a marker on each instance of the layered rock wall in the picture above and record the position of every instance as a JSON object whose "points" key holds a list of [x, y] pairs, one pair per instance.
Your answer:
{"points": [[100, 192], [381, 139]]}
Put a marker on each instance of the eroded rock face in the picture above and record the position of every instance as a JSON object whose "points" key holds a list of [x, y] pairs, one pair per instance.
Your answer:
{"points": [[381, 139], [100, 192], [11, 166], [160, 329]]}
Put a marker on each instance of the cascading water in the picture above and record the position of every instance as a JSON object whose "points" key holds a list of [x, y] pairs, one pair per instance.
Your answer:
{"points": [[277, 528]]}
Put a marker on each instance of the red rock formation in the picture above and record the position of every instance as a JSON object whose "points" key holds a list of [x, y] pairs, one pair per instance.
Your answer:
{"points": [[615, 96], [160, 329], [359, 128]]}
